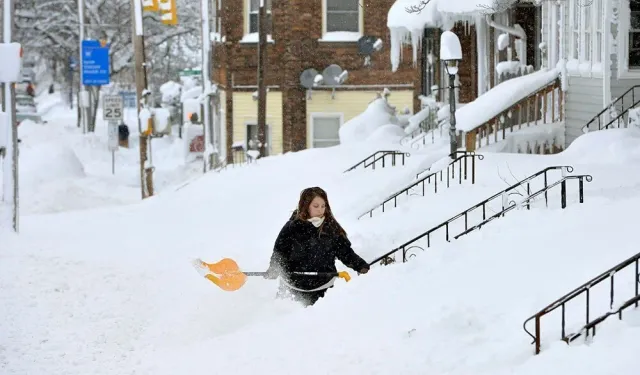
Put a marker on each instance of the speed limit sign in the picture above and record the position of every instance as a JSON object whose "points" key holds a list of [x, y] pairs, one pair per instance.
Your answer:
{"points": [[112, 108]]}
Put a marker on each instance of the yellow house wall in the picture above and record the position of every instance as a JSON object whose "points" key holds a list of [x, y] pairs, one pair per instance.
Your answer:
{"points": [[350, 104], [245, 110]]}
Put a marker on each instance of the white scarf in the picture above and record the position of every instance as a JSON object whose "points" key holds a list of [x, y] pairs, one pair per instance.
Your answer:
{"points": [[316, 221]]}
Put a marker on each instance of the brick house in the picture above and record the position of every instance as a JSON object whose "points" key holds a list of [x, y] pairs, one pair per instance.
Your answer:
{"points": [[304, 34]]}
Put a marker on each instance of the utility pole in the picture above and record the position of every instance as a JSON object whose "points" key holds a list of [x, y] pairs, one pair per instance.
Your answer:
{"points": [[83, 94], [146, 170], [10, 197], [262, 88], [210, 149]]}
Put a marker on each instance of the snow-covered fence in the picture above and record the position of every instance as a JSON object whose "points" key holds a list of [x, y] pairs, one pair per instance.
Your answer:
{"points": [[543, 106]]}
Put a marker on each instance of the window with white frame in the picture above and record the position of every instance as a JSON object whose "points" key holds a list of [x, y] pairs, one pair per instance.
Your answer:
{"points": [[254, 9], [587, 35], [325, 130], [342, 15], [599, 36], [634, 35]]}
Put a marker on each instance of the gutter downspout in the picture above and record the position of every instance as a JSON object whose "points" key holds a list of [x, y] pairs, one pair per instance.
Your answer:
{"points": [[606, 59], [515, 31]]}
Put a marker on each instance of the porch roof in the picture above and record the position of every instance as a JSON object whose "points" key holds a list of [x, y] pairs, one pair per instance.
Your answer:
{"points": [[436, 13]]}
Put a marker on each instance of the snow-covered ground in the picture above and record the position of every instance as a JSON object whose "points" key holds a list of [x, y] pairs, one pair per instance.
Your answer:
{"points": [[111, 290]]}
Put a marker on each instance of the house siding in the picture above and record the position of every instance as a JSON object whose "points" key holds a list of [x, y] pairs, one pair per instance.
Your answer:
{"points": [[583, 100], [297, 28], [350, 104], [246, 110]]}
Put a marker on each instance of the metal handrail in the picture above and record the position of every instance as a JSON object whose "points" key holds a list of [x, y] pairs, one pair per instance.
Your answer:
{"points": [[464, 214], [427, 179], [376, 157], [584, 288]]}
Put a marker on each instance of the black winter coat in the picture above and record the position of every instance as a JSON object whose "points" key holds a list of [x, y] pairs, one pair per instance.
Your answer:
{"points": [[301, 247]]}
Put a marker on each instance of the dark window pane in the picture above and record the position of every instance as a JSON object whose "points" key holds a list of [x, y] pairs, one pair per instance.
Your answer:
{"points": [[253, 23], [342, 22], [634, 58], [255, 5], [635, 21], [342, 5], [634, 5]]}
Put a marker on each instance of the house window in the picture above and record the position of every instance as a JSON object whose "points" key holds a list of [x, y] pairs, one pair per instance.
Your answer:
{"points": [[599, 35], [634, 35], [575, 29], [586, 32], [325, 130], [252, 140], [254, 8], [586, 27], [342, 15]]}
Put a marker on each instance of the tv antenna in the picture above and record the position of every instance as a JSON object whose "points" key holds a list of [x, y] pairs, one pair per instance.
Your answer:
{"points": [[309, 79], [333, 76]]}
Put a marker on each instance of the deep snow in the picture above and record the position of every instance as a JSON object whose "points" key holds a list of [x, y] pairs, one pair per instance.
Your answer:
{"points": [[112, 290]]}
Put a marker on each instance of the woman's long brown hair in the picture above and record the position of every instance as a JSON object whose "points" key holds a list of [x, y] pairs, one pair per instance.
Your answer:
{"points": [[309, 195]]}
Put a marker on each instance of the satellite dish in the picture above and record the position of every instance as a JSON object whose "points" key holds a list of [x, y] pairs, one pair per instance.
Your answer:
{"points": [[365, 45], [307, 78], [331, 74]]}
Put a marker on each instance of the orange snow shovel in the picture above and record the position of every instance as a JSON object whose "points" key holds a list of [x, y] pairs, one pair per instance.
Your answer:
{"points": [[227, 276]]}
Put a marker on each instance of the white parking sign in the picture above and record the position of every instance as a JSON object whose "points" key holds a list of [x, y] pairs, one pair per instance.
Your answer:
{"points": [[112, 108]]}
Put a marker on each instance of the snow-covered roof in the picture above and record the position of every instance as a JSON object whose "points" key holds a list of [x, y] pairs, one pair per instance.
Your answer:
{"points": [[500, 98], [398, 17], [436, 13], [472, 7]]}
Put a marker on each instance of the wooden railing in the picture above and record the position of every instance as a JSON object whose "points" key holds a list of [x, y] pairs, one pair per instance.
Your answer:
{"points": [[542, 107]]}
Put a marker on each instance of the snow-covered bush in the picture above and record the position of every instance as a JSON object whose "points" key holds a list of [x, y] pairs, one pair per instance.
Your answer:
{"points": [[378, 114]]}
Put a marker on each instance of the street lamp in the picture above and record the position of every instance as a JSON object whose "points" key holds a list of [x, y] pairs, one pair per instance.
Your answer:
{"points": [[451, 55]]}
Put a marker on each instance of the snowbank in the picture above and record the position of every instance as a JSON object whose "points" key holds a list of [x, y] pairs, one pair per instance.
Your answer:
{"points": [[48, 162], [501, 97], [378, 114], [170, 91], [606, 146]]}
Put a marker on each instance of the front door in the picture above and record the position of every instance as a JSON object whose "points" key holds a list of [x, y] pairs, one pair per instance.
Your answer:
{"points": [[528, 16]]}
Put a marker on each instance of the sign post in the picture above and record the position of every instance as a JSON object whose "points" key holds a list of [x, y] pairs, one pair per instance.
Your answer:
{"points": [[112, 112]]}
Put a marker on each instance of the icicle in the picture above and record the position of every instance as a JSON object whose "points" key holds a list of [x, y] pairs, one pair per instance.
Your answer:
{"points": [[416, 42]]}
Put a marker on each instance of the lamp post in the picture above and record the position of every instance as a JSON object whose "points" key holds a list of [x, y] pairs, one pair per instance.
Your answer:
{"points": [[451, 55]]}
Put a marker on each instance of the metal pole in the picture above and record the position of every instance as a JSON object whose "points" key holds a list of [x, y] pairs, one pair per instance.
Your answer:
{"points": [[113, 162], [10, 160], [207, 124], [262, 88], [84, 112], [146, 177], [452, 116]]}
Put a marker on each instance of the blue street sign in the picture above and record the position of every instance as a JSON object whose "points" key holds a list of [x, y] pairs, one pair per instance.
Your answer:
{"points": [[129, 98], [95, 63]]}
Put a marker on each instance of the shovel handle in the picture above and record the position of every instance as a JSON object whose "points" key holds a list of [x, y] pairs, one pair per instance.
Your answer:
{"points": [[342, 275]]}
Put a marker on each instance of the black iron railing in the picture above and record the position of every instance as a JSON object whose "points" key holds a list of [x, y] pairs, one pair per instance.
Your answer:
{"points": [[380, 156], [632, 99], [450, 172], [589, 329], [527, 201], [504, 195]]}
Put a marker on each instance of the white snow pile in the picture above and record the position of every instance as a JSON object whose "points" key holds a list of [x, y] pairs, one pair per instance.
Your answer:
{"points": [[379, 121], [170, 91], [501, 97], [112, 291], [48, 162], [607, 146]]}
